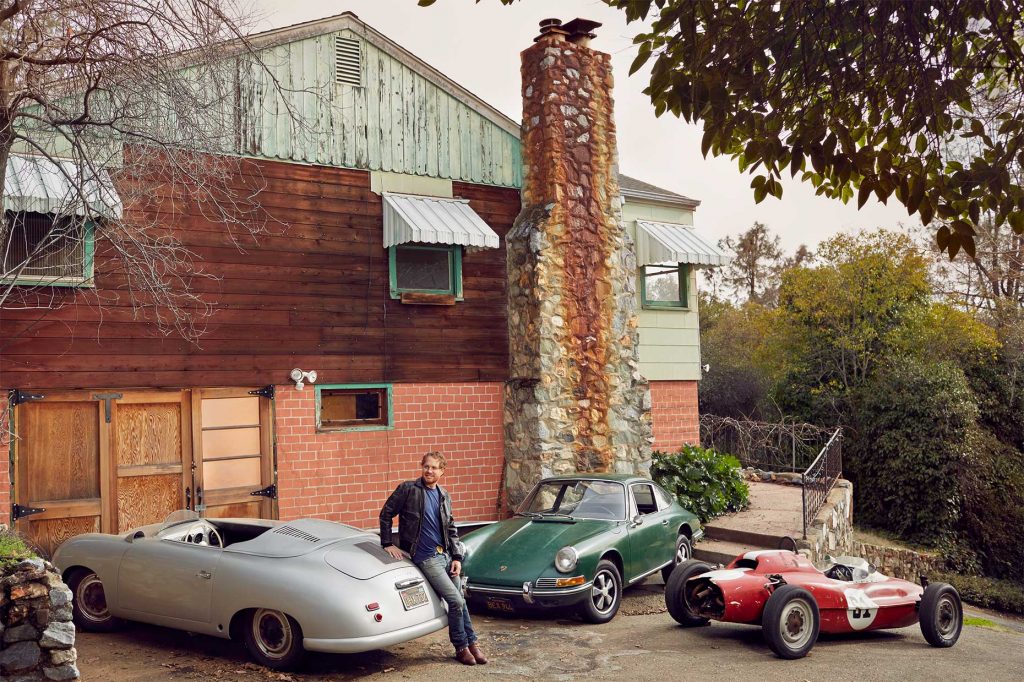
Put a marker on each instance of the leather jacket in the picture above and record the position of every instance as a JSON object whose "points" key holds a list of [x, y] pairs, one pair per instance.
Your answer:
{"points": [[407, 503]]}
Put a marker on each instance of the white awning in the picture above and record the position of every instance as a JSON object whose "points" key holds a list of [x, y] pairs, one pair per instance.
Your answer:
{"points": [[671, 243], [434, 220], [39, 185]]}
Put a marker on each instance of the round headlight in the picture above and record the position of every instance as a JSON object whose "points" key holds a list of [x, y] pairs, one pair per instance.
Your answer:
{"points": [[566, 559]]}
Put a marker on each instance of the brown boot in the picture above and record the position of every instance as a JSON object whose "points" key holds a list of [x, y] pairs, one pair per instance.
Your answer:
{"points": [[464, 657], [477, 654]]}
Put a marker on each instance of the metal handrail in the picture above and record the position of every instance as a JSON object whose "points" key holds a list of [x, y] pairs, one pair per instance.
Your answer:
{"points": [[820, 477]]}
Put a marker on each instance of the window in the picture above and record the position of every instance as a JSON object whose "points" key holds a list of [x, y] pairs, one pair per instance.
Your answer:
{"points": [[353, 407], [644, 497], [44, 249], [664, 286], [426, 270], [664, 499]]}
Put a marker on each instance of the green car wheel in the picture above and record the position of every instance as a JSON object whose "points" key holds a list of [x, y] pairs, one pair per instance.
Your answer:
{"points": [[605, 595]]}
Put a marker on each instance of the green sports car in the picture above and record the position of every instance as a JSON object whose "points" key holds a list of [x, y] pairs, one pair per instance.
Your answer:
{"points": [[575, 542]]}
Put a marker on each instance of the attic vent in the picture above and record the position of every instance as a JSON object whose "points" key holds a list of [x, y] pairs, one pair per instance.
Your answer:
{"points": [[296, 533], [348, 61]]}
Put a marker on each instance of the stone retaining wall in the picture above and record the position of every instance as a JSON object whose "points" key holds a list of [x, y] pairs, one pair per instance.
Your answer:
{"points": [[831, 532], [899, 563], [37, 637]]}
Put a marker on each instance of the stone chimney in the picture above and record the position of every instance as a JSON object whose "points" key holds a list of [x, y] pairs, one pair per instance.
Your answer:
{"points": [[575, 400]]}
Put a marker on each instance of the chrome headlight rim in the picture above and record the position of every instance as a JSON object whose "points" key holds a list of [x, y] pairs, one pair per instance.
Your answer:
{"points": [[566, 559]]}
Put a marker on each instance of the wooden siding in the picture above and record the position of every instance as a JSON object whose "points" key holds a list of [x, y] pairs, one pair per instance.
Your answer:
{"points": [[397, 121], [669, 339], [314, 295]]}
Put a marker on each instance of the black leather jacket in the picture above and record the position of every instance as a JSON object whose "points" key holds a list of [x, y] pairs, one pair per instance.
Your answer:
{"points": [[407, 503]]}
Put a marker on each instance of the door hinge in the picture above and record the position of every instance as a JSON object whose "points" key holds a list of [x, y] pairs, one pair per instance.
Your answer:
{"points": [[19, 512], [270, 491], [265, 392], [18, 396], [107, 398]]}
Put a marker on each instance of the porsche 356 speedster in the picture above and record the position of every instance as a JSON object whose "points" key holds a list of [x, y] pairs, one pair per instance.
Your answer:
{"points": [[793, 601], [282, 587]]}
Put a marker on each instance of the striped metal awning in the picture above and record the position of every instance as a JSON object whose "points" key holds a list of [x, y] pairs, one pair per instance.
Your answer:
{"points": [[671, 243], [434, 220], [61, 187]]}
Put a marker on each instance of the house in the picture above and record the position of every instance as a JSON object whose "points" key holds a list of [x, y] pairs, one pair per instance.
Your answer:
{"points": [[371, 330]]}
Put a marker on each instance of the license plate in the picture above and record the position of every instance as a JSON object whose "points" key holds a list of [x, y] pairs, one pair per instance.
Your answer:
{"points": [[413, 597], [499, 604]]}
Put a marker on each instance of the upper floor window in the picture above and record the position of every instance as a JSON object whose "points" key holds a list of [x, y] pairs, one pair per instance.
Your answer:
{"points": [[41, 248], [664, 286], [420, 269]]}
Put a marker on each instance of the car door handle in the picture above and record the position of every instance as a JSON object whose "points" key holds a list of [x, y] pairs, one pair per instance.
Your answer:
{"points": [[205, 575], [664, 522]]}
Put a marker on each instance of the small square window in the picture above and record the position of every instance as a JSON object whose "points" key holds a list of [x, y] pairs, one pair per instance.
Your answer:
{"points": [[44, 249], [426, 270], [353, 407], [664, 286]]}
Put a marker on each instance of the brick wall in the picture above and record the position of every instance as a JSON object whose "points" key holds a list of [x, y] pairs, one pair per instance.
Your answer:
{"points": [[674, 412], [347, 476], [5, 479]]}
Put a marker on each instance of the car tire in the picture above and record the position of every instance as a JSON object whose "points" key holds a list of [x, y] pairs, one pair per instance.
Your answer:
{"points": [[791, 621], [89, 603], [941, 615], [602, 603], [684, 552], [675, 594], [274, 639]]}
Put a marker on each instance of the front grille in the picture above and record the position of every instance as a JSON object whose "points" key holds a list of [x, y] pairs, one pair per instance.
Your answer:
{"points": [[545, 583], [296, 533]]}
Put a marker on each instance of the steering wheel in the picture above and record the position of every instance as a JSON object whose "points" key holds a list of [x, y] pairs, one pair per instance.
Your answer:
{"points": [[205, 535]]}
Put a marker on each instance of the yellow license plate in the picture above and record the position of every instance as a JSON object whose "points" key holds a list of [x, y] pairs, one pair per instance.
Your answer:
{"points": [[499, 604], [413, 597]]}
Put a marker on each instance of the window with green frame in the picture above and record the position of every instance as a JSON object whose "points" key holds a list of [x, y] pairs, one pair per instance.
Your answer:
{"points": [[665, 285], [43, 249], [354, 407], [425, 269]]}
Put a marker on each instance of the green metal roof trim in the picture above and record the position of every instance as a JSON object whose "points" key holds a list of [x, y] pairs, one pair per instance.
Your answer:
{"points": [[41, 185]]}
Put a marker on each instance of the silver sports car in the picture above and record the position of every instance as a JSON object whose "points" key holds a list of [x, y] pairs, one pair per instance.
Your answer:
{"points": [[282, 587]]}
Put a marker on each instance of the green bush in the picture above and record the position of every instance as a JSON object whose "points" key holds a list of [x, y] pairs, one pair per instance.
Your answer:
{"points": [[706, 482], [12, 548], [989, 593]]}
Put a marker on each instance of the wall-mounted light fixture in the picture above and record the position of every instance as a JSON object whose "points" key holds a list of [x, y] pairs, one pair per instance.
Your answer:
{"points": [[298, 376]]}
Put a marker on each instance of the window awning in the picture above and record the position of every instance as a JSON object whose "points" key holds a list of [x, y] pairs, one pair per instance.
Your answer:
{"points": [[671, 243], [38, 185], [434, 220]]}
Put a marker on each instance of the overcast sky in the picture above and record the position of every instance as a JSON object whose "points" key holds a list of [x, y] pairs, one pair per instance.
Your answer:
{"points": [[478, 46]]}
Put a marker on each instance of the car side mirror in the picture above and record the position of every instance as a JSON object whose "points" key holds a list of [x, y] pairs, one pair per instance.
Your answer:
{"points": [[638, 520]]}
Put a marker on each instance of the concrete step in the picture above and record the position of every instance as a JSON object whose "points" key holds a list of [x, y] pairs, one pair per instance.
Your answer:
{"points": [[722, 551], [743, 537]]}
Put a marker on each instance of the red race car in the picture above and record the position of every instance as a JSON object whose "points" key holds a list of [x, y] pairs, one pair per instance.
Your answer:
{"points": [[793, 601]]}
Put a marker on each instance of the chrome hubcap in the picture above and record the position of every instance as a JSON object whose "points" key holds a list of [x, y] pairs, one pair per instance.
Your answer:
{"points": [[604, 592], [682, 552], [92, 602], [795, 623], [272, 632]]}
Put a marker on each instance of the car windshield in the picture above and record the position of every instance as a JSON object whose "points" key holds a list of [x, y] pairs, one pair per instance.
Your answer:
{"points": [[176, 517], [578, 499]]}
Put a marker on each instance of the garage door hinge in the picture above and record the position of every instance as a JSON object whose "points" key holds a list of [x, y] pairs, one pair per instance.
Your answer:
{"points": [[19, 512], [270, 491], [265, 392], [18, 396]]}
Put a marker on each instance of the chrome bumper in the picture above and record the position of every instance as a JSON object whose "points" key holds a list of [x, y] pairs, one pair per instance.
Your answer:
{"points": [[527, 593], [359, 644]]}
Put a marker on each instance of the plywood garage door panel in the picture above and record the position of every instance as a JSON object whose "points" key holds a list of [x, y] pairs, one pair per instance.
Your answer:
{"points": [[59, 467], [154, 456]]}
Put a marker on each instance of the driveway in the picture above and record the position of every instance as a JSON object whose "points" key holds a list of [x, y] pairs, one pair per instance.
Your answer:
{"points": [[641, 643]]}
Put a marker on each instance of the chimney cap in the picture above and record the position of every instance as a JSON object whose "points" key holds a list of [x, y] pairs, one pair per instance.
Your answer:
{"points": [[551, 26], [580, 27]]}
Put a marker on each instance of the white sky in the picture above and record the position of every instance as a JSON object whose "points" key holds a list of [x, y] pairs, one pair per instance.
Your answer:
{"points": [[478, 46]]}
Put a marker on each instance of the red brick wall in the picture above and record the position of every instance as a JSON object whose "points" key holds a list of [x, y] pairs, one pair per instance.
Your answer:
{"points": [[347, 476], [674, 412], [5, 479]]}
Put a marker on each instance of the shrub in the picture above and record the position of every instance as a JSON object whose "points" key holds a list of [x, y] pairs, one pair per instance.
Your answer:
{"points": [[12, 548], [706, 482], [990, 593]]}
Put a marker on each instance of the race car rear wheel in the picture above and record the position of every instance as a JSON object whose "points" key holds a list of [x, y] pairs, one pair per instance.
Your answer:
{"points": [[274, 639], [941, 615], [791, 621], [675, 594]]}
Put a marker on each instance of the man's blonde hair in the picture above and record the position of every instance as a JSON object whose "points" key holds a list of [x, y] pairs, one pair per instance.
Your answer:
{"points": [[442, 461]]}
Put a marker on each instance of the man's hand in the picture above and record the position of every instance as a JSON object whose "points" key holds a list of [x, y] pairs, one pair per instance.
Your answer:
{"points": [[456, 567], [395, 552]]}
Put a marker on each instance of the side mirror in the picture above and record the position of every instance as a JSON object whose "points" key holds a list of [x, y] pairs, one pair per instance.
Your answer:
{"points": [[638, 520]]}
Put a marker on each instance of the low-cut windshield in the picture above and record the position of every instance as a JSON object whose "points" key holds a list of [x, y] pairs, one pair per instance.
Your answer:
{"points": [[176, 517], [577, 499]]}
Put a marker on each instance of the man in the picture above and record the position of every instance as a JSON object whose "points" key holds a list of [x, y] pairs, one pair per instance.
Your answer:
{"points": [[427, 534]]}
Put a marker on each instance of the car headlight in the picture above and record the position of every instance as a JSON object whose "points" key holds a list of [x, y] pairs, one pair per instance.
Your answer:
{"points": [[566, 559]]}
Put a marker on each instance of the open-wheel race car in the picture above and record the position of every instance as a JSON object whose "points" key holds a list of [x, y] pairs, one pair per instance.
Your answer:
{"points": [[793, 601]]}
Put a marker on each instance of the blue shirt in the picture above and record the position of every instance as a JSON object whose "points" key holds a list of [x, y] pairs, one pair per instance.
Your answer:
{"points": [[430, 526]]}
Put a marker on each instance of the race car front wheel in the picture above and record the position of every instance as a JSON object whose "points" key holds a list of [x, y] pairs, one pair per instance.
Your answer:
{"points": [[941, 615], [675, 593], [791, 621]]}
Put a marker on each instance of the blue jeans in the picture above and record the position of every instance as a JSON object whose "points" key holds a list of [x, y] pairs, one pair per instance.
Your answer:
{"points": [[460, 627]]}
